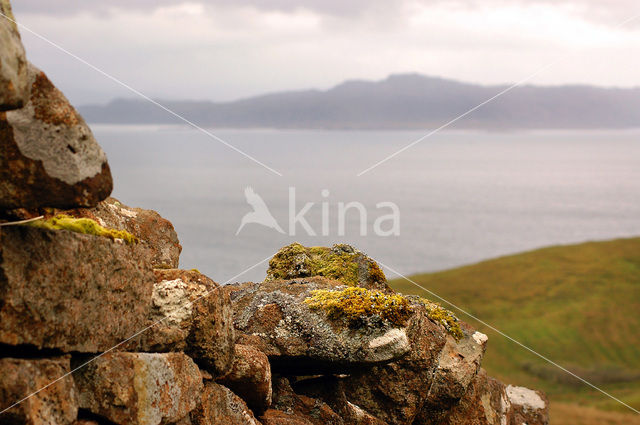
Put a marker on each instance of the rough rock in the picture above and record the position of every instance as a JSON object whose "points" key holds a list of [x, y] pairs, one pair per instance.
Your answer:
{"points": [[341, 262], [458, 364], [48, 156], [273, 317], [14, 88], [139, 388], [527, 406], [190, 313], [485, 403], [250, 378], [148, 226], [19, 378], [220, 406], [395, 392], [70, 291], [290, 408], [331, 390]]}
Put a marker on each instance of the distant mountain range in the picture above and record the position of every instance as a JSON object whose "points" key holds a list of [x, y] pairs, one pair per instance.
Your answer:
{"points": [[406, 101]]}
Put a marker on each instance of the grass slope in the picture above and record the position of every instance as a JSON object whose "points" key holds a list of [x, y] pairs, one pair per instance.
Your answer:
{"points": [[578, 305]]}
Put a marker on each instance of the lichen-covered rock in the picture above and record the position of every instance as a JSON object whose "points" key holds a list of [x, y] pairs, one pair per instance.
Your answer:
{"points": [[527, 406], [274, 317], [14, 88], [148, 226], [48, 156], [139, 388], [190, 313], [395, 392], [290, 408], [70, 291], [220, 406], [20, 378], [250, 377], [341, 262]]}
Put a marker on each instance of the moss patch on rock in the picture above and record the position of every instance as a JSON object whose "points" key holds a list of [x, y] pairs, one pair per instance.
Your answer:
{"points": [[340, 262], [358, 305], [83, 225]]}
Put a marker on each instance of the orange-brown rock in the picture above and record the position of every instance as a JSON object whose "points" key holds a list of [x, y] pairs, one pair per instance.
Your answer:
{"points": [[48, 156], [331, 390], [396, 391], [458, 364], [20, 378], [527, 406], [290, 408], [220, 406], [139, 388], [71, 291], [148, 226], [484, 403], [250, 377], [191, 313]]}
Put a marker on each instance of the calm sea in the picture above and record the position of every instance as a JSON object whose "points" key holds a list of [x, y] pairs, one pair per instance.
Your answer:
{"points": [[462, 196]]}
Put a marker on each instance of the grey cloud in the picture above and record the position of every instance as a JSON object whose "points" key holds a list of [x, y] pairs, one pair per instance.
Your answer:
{"points": [[332, 7], [601, 11]]}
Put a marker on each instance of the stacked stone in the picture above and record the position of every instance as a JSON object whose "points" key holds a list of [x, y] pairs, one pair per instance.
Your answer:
{"points": [[94, 330], [73, 305]]}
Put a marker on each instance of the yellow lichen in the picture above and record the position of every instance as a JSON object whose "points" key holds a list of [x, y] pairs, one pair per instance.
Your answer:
{"points": [[356, 305], [376, 273], [339, 263], [440, 315], [83, 225]]}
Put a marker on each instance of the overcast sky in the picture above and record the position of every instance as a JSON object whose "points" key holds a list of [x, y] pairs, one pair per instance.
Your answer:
{"points": [[228, 49]]}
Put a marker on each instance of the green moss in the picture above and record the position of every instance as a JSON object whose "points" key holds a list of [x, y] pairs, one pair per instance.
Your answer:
{"points": [[341, 262], [356, 305], [444, 317], [83, 225], [195, 270]]}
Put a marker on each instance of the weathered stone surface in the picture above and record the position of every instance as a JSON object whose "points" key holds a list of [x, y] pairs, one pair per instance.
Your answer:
{"points": [[20, 378], [485, 403], [527, 406], [14, 89], [148, 226], [458, 364], [48, 156], [70, 291], [250, 377], [331, 390], [190, 313], [220, 406], [273, 317], [290, 408], [140, 388], [395, 392], [341, 262]]}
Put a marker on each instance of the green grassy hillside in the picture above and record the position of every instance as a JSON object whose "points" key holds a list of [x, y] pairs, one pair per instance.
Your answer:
{"points": [[578, 305]]}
